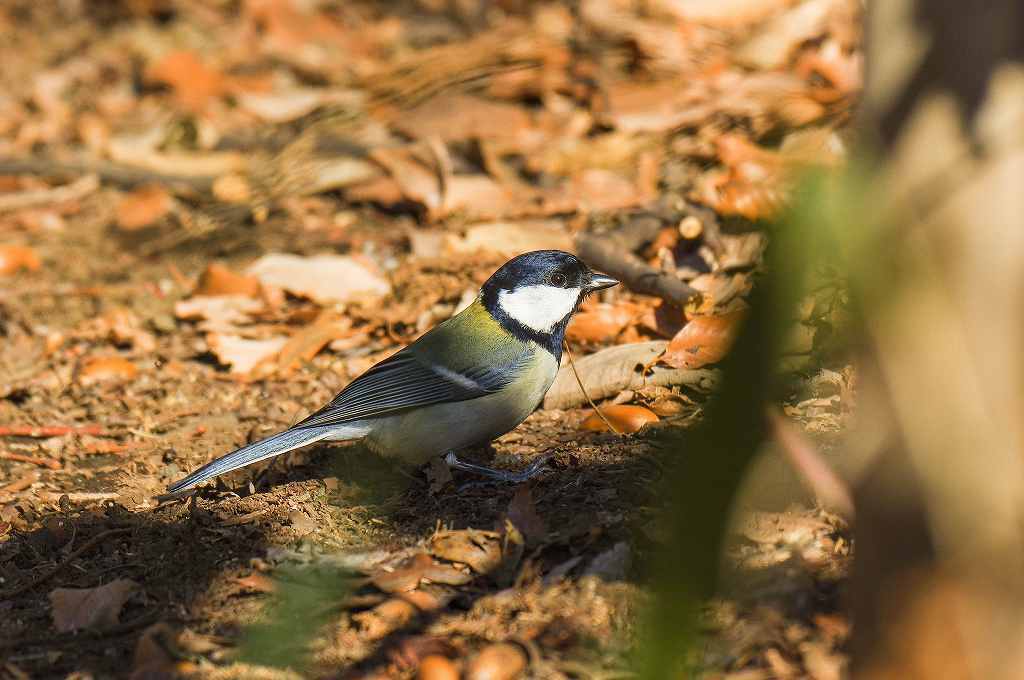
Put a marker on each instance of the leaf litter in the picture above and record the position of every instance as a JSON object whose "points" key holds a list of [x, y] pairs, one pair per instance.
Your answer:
{"points": [[265, 204]]}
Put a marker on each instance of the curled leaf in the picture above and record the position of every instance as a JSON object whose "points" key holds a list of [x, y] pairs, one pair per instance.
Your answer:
{"points": [[16, 258], [704, 340], [601, 322], [104, 369], [143, 207], [217, 279], [625, 418]]}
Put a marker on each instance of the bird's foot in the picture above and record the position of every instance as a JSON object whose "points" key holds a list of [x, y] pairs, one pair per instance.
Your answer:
{"points": [[532, 470]]}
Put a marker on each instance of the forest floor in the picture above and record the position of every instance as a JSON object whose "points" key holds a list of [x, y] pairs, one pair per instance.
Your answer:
{"points": [[156, 158]]}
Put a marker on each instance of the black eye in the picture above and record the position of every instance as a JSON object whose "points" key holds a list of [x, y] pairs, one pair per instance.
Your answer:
{"points": [[558, 279]]}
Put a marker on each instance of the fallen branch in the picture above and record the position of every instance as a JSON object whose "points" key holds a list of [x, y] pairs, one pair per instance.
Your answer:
{"points": [[114, 173], [609, 254], [74, 191], [22, 458], [49, 430]]}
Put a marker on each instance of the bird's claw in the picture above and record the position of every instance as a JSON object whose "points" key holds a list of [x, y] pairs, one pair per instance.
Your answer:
{"points": [[532, 470]]}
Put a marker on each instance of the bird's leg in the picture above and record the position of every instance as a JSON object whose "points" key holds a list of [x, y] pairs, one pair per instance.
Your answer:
{"points": [[532, 470]]}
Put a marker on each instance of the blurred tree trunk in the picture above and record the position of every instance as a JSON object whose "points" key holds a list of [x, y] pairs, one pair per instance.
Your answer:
{"points": [[939, 578]]}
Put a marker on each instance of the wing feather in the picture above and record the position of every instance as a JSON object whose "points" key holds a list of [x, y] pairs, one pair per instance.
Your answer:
{"points": [[405, 381]]}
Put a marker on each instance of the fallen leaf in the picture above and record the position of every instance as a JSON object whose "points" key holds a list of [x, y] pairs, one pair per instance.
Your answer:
{"points": [[243, 354], [498, 661], [385, 618], [416, 181], [217, 279], [723, 13], [257, 583], [17, 258], [775, 42], [481, 550], [232, 188], [90, 608], [322, 278], [283, 106], [194, 83], [437, 667], [741, 251], [104, 369], [220, 312], [513, 238], [523, 513], [625, 418], [403, 578], [156, 656], [704, 340], [144, 206], [457, 117], [602, 322], [305, 345]]}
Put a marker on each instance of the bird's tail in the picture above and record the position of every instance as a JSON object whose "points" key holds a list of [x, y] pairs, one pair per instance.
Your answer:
{"points": [[283, 442]]}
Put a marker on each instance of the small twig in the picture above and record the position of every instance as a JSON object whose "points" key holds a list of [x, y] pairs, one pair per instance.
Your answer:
{"points": [[88, 545], [22, 458], [49, 430], [78, 189], [583, 389], [607, 254]]}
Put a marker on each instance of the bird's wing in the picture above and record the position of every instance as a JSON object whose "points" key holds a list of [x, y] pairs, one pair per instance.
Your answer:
{"points": [[405, 381]]}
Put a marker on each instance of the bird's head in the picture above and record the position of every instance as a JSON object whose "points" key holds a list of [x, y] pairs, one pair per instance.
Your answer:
{"points": [[535, 294]]}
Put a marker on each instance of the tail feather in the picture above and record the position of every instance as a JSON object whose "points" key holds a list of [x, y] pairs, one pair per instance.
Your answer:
{"points": [[282, 442]]}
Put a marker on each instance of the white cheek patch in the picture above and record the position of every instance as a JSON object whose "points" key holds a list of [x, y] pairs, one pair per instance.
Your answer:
{"points": [[539, 307]]}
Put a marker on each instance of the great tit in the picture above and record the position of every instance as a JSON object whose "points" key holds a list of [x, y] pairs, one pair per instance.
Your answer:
{"points": [[465, 382]]}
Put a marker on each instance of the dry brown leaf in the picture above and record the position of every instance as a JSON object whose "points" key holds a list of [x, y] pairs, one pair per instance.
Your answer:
{"points": [[481, 550], [602, 322], [305, 345], [232, 188], [283, 106], [417, 182], [404, 578], [258, 583], [144, 206], [106, 369], [243, 354], [513, 238], [437, 667], [456, 117], [321, 278], [14, 259], [155, 656], [625, 418], [775, 42], [194, 83], [217, 279], [523, 513], [90, 608], [385, 618], [218, 313], [477, 196], [704, 340], [499, 661], [722, 13]]}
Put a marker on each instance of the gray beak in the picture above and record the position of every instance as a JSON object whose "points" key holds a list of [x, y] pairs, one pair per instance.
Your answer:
{"points": [[600, 282]]}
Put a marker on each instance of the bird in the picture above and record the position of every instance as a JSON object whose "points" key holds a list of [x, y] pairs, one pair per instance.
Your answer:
{"points": [[465, 382]]}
